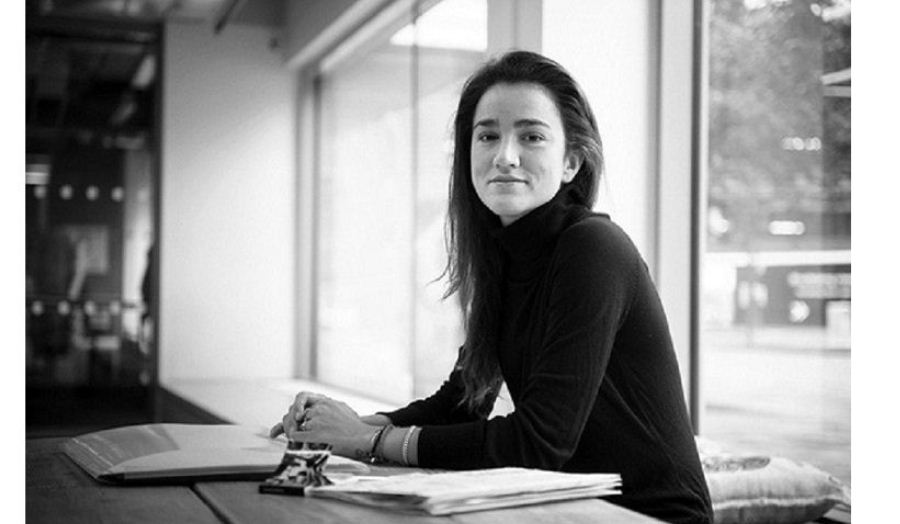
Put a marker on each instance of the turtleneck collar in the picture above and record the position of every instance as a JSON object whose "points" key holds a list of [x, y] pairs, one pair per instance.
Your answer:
{"points": [[528, 241]]}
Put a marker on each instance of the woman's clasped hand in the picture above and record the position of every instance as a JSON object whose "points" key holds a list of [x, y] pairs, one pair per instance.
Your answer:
{"points": [[317, 418]]}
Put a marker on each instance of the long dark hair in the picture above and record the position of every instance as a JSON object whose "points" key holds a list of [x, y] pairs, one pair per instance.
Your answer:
{"points": [[473, 264]]}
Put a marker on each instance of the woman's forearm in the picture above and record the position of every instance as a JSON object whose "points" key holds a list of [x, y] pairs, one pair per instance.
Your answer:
{"points": [[399, 445], [376, 419]]}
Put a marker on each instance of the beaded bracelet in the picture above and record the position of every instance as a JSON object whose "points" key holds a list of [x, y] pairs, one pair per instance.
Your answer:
{"points": [[404, 451]]}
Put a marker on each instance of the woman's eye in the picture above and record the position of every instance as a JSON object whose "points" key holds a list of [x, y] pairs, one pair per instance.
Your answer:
{"points": [[534, 137], [486, 137]]}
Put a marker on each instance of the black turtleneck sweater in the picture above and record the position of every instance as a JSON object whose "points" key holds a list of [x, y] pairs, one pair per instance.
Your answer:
{"points": [[585, 351]]}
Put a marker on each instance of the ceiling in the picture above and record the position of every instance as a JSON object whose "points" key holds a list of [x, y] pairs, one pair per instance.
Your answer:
{"points": [[91, 64]]}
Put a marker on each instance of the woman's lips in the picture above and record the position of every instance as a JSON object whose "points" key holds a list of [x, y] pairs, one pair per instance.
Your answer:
{"points": [[506, 180]]}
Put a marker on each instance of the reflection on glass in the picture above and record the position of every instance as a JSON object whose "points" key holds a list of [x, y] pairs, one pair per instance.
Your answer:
{"points": [[85, 258], [366, 224], [452, 43], [88, 221], [384, 156], [775, 347]]}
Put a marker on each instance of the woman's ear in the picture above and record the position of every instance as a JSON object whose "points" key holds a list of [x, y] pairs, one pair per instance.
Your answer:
{"points": [[572, 165]]}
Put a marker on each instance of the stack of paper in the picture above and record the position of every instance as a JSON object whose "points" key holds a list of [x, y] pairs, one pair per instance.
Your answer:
{"points": [[463, 491], [161, 452]]}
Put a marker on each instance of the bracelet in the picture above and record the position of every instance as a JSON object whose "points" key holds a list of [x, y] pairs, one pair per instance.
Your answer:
{"points": [[382, 440], [404, 451], [376, 439]]}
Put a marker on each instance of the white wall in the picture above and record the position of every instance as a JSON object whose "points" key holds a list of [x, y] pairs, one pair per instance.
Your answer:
{"points": [[227, 206]]}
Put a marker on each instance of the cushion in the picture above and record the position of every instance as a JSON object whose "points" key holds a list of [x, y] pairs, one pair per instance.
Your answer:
{"points": [[758, 488]]}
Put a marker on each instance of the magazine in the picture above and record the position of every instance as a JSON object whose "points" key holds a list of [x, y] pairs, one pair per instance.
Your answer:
{"points": [[165, 452], [464, 491]]}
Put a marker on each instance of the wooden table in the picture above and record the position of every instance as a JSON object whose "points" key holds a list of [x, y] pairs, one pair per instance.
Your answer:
{"points": [[57, 490]]}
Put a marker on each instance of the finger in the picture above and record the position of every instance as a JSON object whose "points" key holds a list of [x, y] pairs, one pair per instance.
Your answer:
{"points": [[290, 418], [303, 403], [288, 423], [296, 413], [303, 399], [299, 410], [306, 436], [276, 430], [298, 434], [299, 400]]}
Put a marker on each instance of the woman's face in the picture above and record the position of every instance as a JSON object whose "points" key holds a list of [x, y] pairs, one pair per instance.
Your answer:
{"points": [[518, 150]]}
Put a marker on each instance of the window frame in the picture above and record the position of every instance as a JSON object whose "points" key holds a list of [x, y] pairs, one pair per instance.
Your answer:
{"points": [[679, 190]]}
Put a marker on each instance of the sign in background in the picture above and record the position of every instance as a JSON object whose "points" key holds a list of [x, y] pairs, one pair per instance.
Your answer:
{"points": [[790, 295]]}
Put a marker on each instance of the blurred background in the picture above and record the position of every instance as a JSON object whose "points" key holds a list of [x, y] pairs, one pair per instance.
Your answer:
{"points": [[226, 197], [91, 170], [92, 107]]}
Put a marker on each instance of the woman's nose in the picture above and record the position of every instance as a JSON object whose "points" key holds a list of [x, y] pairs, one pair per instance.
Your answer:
{"points": [[507, 156]]}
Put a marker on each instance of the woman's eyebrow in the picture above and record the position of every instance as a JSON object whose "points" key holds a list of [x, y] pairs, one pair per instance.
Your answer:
{"points": [[486, 122], [527, 122], [523, 122]]}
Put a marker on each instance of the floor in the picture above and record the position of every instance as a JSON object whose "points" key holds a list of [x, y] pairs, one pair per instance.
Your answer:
{"points": [[67, 411]]}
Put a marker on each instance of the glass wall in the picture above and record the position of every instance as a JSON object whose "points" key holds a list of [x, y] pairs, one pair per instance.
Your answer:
{"points": [[90, 179], [89, 184], [383, 169], [775, 307]]}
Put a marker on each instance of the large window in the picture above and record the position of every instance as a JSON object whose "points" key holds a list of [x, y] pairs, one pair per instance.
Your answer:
{"points": [[775, 306], [384, 162], [773, 347]]}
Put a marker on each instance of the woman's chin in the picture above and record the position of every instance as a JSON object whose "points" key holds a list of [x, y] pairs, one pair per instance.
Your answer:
{"points": [[511, 209], [508, 215]]}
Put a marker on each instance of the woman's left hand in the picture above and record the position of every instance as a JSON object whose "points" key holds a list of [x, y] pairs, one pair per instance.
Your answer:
{"points": [[330, 421]]}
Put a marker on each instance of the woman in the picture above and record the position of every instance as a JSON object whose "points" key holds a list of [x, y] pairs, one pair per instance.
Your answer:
{"points": [[558, 304]]}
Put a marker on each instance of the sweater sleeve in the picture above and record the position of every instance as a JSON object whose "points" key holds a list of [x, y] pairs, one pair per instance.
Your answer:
{"points": [[441, 408], [591, 284]]}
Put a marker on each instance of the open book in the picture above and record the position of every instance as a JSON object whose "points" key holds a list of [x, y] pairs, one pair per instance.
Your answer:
{"points": [[160, 452], [464, 491]]}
